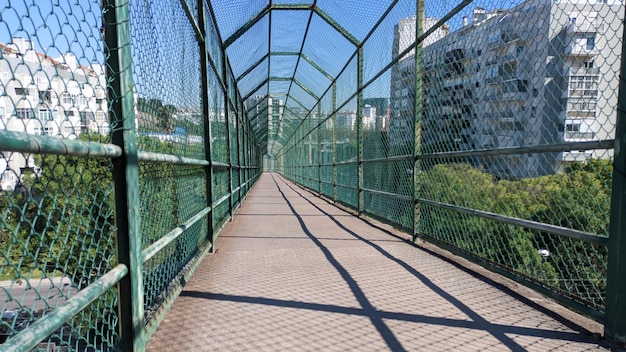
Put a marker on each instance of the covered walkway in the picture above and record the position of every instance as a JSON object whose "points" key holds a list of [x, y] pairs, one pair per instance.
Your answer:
{"points": [[295, 273]]}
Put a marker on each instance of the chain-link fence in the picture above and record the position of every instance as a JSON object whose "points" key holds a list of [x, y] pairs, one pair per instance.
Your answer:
{"points": [[486, 127], [131, 131], [124, 149]]}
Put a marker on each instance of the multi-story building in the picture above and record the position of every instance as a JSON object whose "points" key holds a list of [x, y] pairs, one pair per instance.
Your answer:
{"points": [[543, 72], [45, 96], [402, 93]]}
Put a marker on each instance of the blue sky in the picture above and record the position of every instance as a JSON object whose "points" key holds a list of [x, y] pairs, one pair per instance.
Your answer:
{"points": [[53, 24]]}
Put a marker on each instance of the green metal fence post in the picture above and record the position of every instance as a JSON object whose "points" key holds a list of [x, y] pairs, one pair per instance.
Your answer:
{"points": [[419, 29], [239, 113], [310, 164], [319, 148], [227, 118], [333, 108], [208, 170], [615, 304], [359, 129], [116, 17]]}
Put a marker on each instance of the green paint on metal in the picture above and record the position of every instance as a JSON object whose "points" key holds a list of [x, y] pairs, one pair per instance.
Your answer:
{"points": [[417, 169], [307, 90], [28, 339], [253, 91], [359, 130], [192, 21], [243, 29], [170, 159], [542, 148], [334, 144], [23, 142], [534, 225], [151, 251], [317, 67], [252, 67], [126, 174], [285, 6], [337, 27], [615, 303]]}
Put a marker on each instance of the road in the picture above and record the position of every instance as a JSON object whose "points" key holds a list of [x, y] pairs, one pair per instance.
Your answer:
{"points": [[35, 294]]}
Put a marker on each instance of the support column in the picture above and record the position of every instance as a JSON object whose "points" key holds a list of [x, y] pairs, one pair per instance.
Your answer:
{"points": [[334, 119], [615, 304], [419, 29], [206, 108], [359, 129], [227, 121], [125, 174], [319, 148]]}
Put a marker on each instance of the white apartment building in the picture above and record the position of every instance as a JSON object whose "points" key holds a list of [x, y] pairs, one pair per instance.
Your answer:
{"points": [[402, 93], [45, 96], [544, 72]]}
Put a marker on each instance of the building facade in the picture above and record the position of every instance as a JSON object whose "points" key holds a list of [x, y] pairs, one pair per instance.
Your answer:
{"points": [[44, 96], [544, 72]]}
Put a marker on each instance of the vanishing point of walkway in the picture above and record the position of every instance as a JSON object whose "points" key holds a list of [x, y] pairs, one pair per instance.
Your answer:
{"points": [[295, 273]]}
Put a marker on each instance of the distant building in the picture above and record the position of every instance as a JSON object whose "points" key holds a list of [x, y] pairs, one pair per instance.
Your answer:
{"points": [[402, 93], [543, 72], [46, 96], [266, 113]]}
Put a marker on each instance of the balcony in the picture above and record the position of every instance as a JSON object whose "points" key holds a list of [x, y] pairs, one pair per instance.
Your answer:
{"points": [[585, 27], [581, 71], [580, 50]]}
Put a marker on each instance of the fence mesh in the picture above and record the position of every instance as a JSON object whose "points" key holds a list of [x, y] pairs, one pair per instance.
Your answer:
{"points": [[196, 152], [491, 135], [486, 127]]}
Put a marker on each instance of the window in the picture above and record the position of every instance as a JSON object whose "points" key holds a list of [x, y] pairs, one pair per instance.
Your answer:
{"points": [[46, 131], [21, 91], [82, 101], [1, 112], [24, 113], [44, 115], [66, 98], [45, 96], [100, 116], [591, 43], [588, 64], [573, 131]]}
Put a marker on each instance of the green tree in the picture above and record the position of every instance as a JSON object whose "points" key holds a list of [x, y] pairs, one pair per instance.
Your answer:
{"points": [[155, 109]]}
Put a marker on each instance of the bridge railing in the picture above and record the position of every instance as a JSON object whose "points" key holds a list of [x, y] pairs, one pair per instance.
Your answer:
{"points": [[493, 132], [124, 150]]}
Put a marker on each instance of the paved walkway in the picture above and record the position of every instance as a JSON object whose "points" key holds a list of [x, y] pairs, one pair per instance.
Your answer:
{"points": [[294, 273]]}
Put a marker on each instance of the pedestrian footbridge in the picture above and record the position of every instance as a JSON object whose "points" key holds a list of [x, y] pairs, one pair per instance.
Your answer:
{"points": [[287, 175]]}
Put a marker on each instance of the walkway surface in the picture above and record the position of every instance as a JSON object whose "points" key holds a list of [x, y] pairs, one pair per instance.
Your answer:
{"points": [[295, 273]]}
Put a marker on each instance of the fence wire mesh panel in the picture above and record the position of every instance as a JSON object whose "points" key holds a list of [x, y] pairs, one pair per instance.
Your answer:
{"points": [[130, 131], [73, 119], [485, 127]]}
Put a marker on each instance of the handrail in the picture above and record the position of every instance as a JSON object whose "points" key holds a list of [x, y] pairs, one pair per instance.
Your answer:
{"points": [[28, 338]]}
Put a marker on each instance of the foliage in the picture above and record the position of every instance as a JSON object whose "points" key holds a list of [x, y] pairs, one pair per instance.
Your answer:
{"points": [[577, 199], [162, 114]]}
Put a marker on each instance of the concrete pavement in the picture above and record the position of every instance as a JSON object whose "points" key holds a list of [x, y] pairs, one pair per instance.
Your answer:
{"points": [[294, 273]]}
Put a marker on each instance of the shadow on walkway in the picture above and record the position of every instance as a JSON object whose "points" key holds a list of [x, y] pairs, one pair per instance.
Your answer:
{"points": [[302, 275]]}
